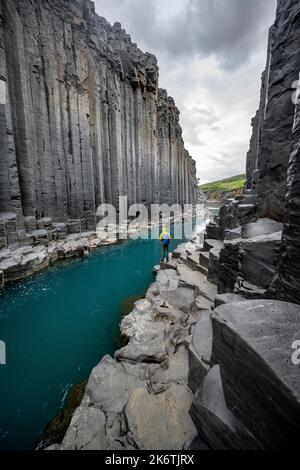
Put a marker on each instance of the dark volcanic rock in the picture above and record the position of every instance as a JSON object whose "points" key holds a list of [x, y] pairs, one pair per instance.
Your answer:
{"points": [[259, 259], [215, 423], [82, 119], [268, 159], [200, 352], [252, 343]]}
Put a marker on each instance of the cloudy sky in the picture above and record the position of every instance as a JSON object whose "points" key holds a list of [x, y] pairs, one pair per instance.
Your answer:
{"points": [[211, 54]]}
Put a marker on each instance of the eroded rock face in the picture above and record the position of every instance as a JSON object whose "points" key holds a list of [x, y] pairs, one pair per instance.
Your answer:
{"points": [[268, 158], [252, 343], [287, 287], [83, 120]]}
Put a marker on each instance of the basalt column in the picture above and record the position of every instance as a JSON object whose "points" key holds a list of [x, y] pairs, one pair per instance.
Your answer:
{"points": [[288, 283], [282, 69], [82, 118]]}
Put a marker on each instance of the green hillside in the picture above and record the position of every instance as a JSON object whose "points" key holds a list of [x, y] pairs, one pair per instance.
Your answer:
{"points": [[224, 189], [235, 183]]}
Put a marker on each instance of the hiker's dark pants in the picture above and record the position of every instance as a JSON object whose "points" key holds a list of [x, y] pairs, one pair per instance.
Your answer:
{"points": [[165, 251]]}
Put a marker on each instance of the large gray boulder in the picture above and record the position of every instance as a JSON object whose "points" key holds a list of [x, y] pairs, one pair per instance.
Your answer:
{"points": [[252, 343], [261, 227], [182, 298], [151, 345], [200, 351], [222, 299], [259, 259], [214, 421], [110, 385], [160, 422], [197, 281]]}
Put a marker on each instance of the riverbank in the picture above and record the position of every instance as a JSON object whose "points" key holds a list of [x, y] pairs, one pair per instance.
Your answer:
{"points": [[173, 386], [20, 262], [64, 319], [151, 370]]}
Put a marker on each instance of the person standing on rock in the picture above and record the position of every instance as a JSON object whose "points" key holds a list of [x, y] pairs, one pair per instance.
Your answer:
{"points": [[165, 238]]}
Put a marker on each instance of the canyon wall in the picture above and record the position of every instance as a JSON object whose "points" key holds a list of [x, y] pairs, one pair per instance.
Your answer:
{"points": [[268, 159], [82, 119], [273, 159], [287, 285]]}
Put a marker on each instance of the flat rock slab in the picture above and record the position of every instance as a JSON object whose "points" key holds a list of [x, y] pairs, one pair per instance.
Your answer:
{"points": [[86, 431], [171, 264], [214, 421], [197, 281], [160, 422], [110, 385], [252, 342], [202, 303], [173, 370], [150, 345], [223, 299], [261, 227], [181, 298], [211, 244], [167, 279], [234, 234], [200, 351]]}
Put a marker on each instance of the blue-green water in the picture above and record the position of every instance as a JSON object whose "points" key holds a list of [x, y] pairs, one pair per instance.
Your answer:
{"points": [[57, 326]]}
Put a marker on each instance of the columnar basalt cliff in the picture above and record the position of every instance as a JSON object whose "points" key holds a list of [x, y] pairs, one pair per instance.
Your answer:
{"points": [[222, 318], [268, 158], [82, 120]]}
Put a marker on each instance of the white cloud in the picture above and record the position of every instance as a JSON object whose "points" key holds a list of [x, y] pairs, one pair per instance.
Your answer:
{"points": [[211, 54]]}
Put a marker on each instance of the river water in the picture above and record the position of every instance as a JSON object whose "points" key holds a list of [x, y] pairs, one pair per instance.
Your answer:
{"points": [[57, 326]]}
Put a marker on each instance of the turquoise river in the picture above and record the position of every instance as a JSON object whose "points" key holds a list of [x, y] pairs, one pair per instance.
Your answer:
{"points": [[57, 326]]}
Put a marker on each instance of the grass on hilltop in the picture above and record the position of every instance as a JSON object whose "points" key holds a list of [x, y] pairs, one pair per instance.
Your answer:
{"points": [[235, 183], [224, 189]]}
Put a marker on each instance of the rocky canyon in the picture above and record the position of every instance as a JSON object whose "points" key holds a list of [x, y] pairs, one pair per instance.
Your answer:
{"points": [[83, 121], [207, 362]]}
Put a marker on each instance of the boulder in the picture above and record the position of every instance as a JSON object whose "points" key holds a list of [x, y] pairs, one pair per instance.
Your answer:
{"points": [[211, 244], [229, 266], [150, 345], [181, 298], [252, 343], [173, 370], [203, 304], [214, 265], [110, 386], [167, 279], [234, 234], [87, 431], [160, 422], [222, 299], [200, 351], [214, 421], [259, 259], [197, 281], [261, 227]]}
